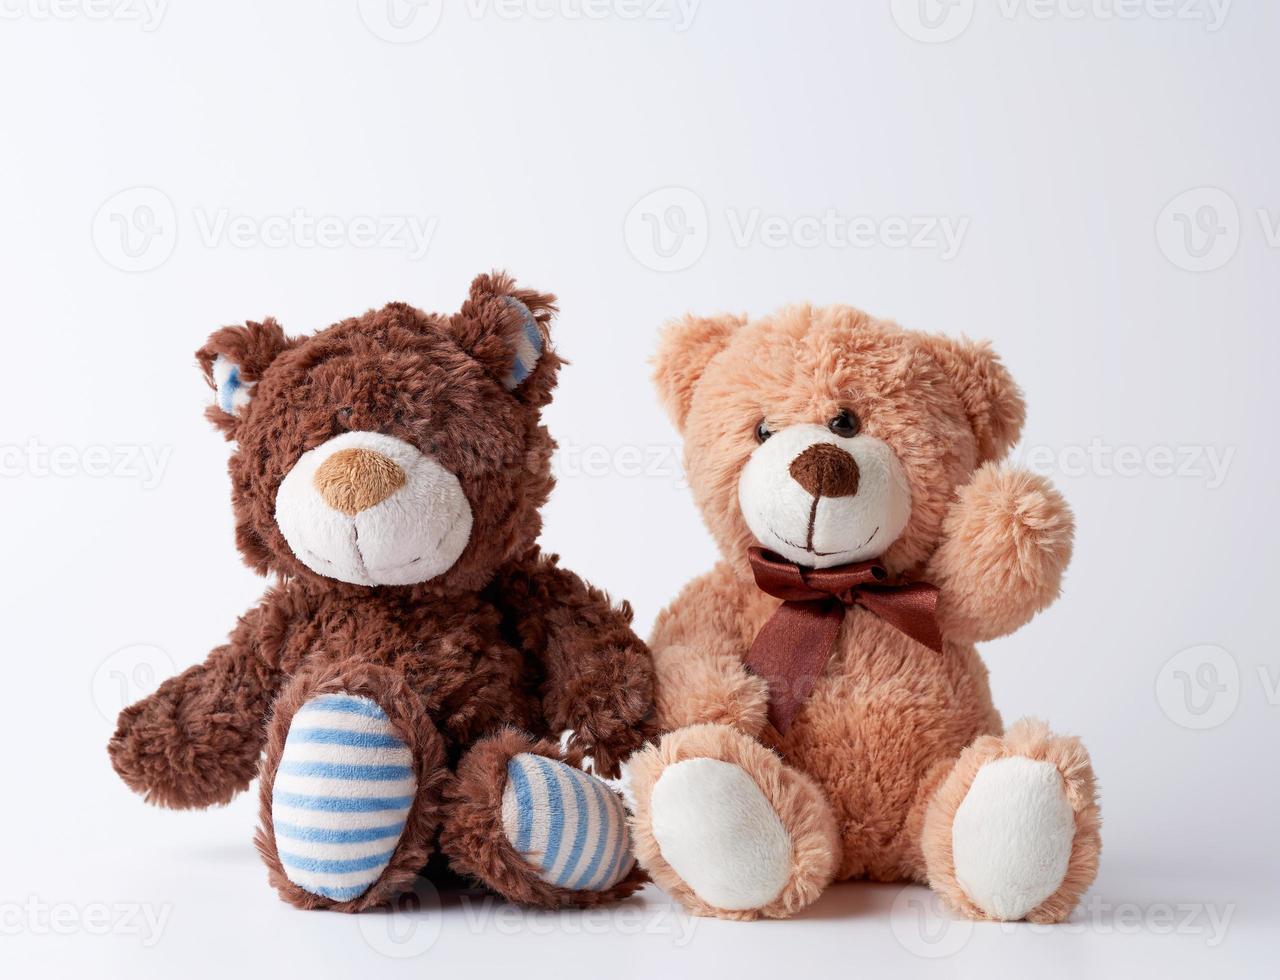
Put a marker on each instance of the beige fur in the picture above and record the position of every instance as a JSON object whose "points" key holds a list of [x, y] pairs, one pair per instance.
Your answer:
{"points": [[884, 751]]}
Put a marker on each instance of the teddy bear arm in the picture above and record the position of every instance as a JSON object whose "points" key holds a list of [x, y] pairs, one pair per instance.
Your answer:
{"points": [[196, 740], [699, 648], [598, 675], [1007, 541]]}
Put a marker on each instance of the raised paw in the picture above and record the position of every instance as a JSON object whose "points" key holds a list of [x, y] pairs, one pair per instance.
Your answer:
{"points": [[730, 830], [1012, 833], [342, 794]]}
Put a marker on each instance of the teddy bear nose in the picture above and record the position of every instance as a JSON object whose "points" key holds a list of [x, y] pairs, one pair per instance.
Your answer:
{"points": [[352, 480], [825, 470]]}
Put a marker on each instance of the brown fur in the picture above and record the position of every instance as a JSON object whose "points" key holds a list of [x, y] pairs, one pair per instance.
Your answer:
{"points": [[505, 637], [889, 721]]}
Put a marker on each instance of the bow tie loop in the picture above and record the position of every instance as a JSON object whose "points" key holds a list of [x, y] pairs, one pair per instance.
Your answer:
{"points": [[792, 648], [791, 583]]}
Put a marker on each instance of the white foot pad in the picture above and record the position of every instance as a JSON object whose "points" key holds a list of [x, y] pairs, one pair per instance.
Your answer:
{"points": [[1012, 835], [719, 833]]}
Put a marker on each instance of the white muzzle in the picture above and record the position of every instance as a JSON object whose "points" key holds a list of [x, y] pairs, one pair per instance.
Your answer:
{"points": [[370, 509]]}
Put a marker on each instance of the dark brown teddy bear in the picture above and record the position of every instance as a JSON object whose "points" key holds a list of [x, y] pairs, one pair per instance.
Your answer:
{"points": [[405, 674]]}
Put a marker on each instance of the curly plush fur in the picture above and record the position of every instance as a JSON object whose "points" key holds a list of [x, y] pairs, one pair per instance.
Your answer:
{"points": [[504, 639], [893, 733]]}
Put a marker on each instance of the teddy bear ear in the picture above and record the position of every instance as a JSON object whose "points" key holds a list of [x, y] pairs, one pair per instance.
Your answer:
{"points": [[508, 330], [991, 398], [233, 360], [685, 349]]}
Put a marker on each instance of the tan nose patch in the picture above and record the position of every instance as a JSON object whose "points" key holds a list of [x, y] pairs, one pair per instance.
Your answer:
{"points": [[352, 480], [825, 470]]}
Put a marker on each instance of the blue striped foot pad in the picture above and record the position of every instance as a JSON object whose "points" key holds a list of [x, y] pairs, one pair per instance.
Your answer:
{"points": [[341, 796], [566, 824]]}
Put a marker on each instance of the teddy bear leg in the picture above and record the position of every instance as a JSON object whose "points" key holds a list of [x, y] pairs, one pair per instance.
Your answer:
{"points": [[1012, 831], [349, 789], [730, 830], [528, 823]]}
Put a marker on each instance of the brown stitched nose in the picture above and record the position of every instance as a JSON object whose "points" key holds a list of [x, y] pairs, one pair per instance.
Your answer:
{"points": [[825, 470], [352, 480]]}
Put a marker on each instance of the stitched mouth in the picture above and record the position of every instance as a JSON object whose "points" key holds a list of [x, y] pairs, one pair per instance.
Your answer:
{"points": [[320, 558], [824, 554], [820, 554], [392, 568]]}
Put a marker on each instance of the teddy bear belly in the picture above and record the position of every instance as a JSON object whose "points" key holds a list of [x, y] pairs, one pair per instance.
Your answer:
{"points": [[470, 681], [882, 725]]}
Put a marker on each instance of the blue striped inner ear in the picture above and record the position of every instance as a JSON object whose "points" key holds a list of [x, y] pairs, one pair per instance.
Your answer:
{"points": [[528, 346], [227, 390]]}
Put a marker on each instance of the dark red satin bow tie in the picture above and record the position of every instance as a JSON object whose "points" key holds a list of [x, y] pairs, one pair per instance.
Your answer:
{"points": [[792, 648]]}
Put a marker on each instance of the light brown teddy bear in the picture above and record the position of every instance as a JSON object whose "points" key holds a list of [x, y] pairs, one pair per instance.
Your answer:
{"points": [[829, 716]]}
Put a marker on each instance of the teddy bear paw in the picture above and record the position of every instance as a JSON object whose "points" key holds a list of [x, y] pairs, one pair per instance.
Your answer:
{"points": [[566, 824], [341, 797]]}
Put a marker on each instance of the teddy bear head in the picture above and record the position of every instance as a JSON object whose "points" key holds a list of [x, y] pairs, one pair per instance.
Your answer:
{"points": [[394, 449], [828, 436]]}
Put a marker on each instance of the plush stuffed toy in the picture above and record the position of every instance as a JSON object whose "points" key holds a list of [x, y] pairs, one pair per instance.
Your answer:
{"points": [[829, 717], [406, 675]]}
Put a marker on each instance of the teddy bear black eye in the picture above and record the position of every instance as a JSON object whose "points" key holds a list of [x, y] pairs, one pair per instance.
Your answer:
{"points": [[845, 424], [762, 431]]}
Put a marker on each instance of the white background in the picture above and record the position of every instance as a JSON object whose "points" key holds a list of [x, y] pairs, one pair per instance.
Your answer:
{"points": [[1107, 161]]}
